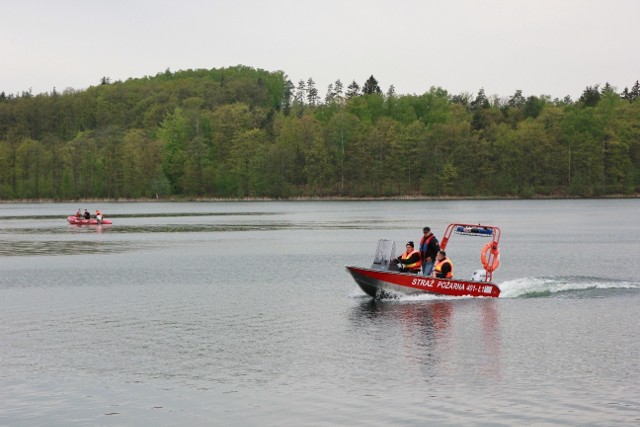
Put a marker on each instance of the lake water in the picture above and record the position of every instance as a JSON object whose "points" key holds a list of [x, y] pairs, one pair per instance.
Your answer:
{"points": [[242, 313]]}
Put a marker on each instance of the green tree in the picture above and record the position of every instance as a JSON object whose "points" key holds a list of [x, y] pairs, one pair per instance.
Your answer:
{"points": [[385, 134], [508, 167], [81, 160], [32, 169], [340, 132], [175, 131], [405, 165], [584, 138], [288, 151], [244, 161], [448, 178], [319, 169], [7, 170]]}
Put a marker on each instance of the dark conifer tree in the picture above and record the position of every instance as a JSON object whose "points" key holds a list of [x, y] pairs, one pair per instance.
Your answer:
{"points": [[338, 88], [301, 93], [635, 91], [312, 92], [328, 98], [287, 95], [626, 94], [591, 96], [391, 93], [517, 100], [353, 90], [608, 89], [480, 102], [371, 86]]}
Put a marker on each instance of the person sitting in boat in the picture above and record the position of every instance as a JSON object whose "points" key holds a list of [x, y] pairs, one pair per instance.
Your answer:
{"points": [[410, 260], [98, 215], [444, 267], [78, 214], [87, 215]]}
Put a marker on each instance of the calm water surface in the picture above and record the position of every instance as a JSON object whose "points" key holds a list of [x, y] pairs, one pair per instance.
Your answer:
{"points": [[241, 313]]}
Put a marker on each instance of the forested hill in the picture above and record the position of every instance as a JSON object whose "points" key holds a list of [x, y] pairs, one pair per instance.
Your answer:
{"points": [[245, 132]]}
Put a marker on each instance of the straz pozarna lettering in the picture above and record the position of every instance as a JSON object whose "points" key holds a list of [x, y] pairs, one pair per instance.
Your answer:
{"points": [[457, 286]]}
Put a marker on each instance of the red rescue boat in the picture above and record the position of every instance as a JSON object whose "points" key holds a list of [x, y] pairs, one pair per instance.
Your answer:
{"points": [[81, 221], [383, 280]]}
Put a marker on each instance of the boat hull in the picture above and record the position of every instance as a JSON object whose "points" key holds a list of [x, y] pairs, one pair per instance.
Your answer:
{"points": [[383, 283], [75, 221]]}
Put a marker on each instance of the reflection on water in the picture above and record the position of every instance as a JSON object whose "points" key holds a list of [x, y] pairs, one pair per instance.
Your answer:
{"points": [[440, 336]]}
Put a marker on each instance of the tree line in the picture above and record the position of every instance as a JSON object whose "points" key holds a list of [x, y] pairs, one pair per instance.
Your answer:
{"points": [[245, 132]]}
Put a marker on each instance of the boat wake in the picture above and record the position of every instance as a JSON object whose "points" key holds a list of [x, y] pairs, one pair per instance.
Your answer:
{"points": [[390, 296], [535, 287], [576, 286]]}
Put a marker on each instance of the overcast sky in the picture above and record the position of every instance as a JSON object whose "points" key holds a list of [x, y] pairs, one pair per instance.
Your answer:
{"points": [[542, 47]]}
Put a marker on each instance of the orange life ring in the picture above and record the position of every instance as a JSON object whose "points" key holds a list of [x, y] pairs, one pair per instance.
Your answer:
{"points": [[490, 248]]}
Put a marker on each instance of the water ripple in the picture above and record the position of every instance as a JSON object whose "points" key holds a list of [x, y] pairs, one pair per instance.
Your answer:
{"points": [[51, 247]]}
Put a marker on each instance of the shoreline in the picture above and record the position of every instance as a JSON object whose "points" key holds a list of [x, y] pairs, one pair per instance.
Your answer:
{"points": [[312, 199]]}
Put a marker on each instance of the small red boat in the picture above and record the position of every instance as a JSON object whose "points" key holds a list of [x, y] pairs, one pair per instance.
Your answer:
{"points": [[81, 221], [381, 281]]}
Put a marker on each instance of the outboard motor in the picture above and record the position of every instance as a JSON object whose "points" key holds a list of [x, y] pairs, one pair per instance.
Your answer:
{"points": [[385, 252], [479, 276]]}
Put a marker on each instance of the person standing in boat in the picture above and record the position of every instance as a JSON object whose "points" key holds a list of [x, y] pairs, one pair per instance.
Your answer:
{"points": [[444, 267], [429, 247], [87, 215], [410, 259]]}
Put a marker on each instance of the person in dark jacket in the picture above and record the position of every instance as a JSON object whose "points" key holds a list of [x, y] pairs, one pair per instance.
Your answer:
{"points": [[429, 247], [87, 215], [410, 260]]}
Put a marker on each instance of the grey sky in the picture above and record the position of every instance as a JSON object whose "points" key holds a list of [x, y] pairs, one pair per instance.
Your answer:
{"points": [[551, 47]]}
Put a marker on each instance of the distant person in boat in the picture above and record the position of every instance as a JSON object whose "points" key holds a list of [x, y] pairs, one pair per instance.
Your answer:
{"points": [[429, 247], [78, 214], [99, 216], [87, 215], [444, 267], [410, 260]]}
